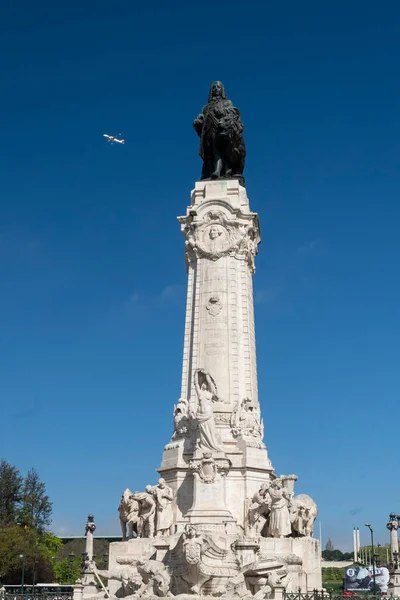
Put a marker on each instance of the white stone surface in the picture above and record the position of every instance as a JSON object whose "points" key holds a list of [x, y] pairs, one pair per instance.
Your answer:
{"points": [[220, 271], [216, 461]]}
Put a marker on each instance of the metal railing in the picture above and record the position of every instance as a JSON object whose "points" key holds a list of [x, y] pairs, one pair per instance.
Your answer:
{"points": [[325, 595], [37, 595]]}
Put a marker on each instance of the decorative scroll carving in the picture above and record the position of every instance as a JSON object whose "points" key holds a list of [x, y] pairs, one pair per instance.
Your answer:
{"points": [[207, 468], [200, 566], [222, 418]]}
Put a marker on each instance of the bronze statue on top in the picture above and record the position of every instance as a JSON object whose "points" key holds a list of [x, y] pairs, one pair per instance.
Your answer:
{"points": [[220, 129]]}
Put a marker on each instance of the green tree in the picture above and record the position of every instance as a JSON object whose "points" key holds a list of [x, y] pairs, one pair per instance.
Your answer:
{"points": [[332, 555], [11, 546], [36, 508], [38, 551], [67, 572], [10, 493]]}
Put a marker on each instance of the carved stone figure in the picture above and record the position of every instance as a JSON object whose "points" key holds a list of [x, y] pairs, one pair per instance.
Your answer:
{"points": [[303, 513], [147, 512], [208, 437], [164, 496], [128, 514], [279, 521], [181, 419], [264, 575], [206, 468], [246, 420], [258, 511], [220, 128], [155, 577], [198, 564], [193, 544], [131, 581]]}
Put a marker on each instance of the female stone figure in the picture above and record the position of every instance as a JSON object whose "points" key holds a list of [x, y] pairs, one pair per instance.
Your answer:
{"points": [[208, 437], [279, 519], [221, 137], [163, 496]]}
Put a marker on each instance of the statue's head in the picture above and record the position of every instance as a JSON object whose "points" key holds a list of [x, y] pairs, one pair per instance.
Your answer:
{"points": [[161, 482], [215, 232], [217, 90], [148, 489]]}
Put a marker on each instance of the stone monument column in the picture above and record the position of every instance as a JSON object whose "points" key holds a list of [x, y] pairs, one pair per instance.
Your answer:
{"points": [[221, 240]]}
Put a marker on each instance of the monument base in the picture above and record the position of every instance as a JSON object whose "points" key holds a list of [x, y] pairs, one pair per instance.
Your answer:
{"points": [[245, 557]]}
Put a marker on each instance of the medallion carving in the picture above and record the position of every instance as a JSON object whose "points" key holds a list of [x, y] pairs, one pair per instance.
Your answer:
{"points": [[206, 468], [214, 306], [216, 235]]}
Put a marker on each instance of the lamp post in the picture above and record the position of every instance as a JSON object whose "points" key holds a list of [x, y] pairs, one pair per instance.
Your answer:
{"points": [[373, 556], [22, 557], [378, 556], [71, 557], [35, 563]]}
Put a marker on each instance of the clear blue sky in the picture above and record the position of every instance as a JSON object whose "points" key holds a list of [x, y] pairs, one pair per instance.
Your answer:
{"points": [[91, 255]]}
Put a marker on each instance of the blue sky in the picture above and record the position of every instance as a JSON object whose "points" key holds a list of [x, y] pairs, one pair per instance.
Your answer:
{"points": [[91, 256]]}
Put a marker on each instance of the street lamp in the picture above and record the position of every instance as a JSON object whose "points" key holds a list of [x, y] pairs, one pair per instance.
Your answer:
{"points": [[35, 564], [22, 557], [71, 557], [373, 557]]}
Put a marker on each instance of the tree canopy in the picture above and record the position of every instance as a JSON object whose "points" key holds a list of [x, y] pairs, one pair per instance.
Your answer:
{"points": [[25, 515], [10, 493], [35, 507]]}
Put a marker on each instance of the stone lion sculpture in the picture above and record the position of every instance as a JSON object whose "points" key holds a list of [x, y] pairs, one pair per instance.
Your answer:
{"points": [[302, 515]]}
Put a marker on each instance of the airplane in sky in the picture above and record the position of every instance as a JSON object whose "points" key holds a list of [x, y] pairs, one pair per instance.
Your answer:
{"points": [[111, 139]]}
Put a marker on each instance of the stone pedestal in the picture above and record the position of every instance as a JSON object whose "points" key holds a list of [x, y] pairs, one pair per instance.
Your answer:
{"points": [[394, 585]]}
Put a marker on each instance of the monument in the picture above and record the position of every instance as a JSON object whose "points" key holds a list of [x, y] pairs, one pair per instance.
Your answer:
{"points": [[219, 522], [394, 565]]}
